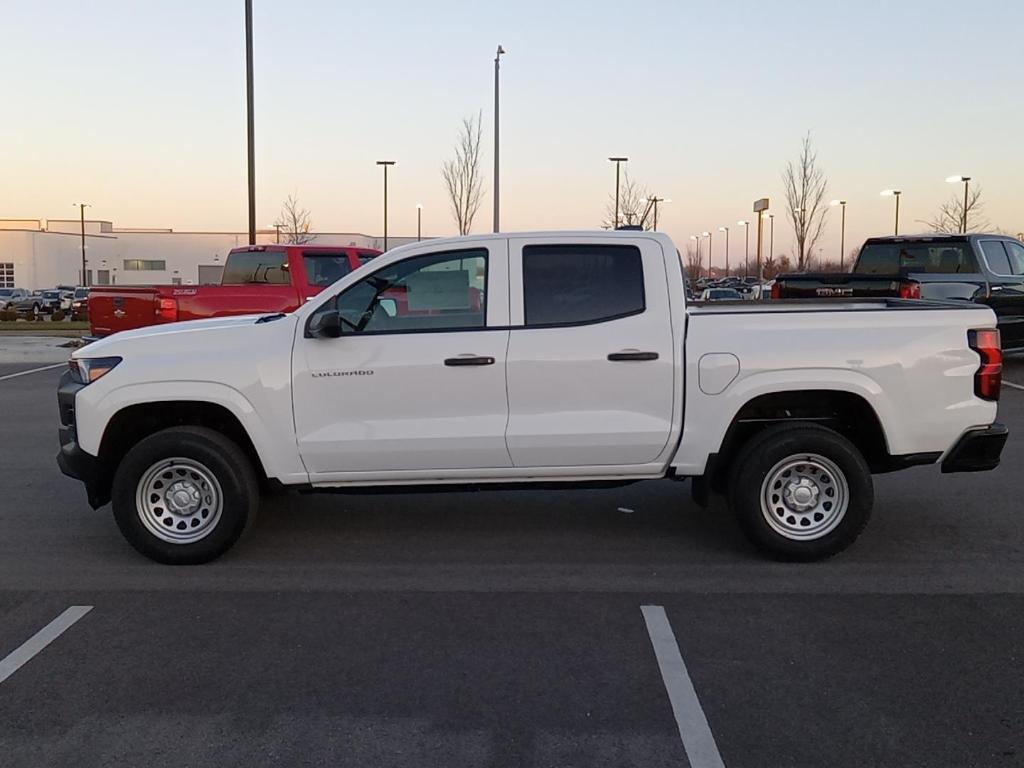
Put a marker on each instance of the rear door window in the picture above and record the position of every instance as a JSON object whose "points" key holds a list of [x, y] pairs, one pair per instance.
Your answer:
{"points": [[995, 256], [929, 257], [579, 284], [322, 268]]}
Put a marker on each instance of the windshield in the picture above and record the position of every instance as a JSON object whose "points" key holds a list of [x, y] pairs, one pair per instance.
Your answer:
{"points": [[81, 293], [927, 256], [51, 294], [6, 291]]}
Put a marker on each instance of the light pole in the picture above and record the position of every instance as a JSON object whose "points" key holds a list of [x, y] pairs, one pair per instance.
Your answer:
{"points": [[842, 232], [708, 236], [726, 230], [85, 275], [251, 131], [746, 247], [385, 164], [654, 200], [966, 182], [497, 67], [771, 236], [699, 262], [419, 222], [277, 230], [894, 193], [618, 165]]}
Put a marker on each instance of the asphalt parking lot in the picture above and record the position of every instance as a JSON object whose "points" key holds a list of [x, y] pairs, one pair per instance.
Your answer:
{"points": [[580, 628]]}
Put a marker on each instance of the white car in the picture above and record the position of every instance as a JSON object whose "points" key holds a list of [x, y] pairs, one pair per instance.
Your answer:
{"points": [[565, 358]]}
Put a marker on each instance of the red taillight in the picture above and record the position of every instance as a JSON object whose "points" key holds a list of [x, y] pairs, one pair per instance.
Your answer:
{"points": [[776, 290], [989, 378], [167, 310], [910, 289]]}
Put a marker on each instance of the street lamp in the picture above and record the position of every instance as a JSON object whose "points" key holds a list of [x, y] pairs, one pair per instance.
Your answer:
{"points": [[894, 193], [697, 240], [726, 230], [85, 275], [842, 233], [277, 229], [654, 200], [419, 222], [618, 165], [385, 164], [250, 122], [497, 66], [746, 247], [771, 236], [966, 180], [708, 236]]}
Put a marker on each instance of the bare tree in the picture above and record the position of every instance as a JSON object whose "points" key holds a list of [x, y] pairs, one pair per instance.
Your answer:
{"points": [[950, 216], [462, 175], [775, 266], [805, 185], [633, 201], [294, 222], [694, 267]]}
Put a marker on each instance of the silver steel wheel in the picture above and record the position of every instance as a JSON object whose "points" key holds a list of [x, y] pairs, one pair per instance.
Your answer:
{"points": [[804, 497], [179, 500]]}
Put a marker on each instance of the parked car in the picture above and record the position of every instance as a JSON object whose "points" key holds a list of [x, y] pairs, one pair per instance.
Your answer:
{"points": [[10, 296], [80, 304], [985, 269], [271, 278], [30, 305], [720, 294], [567, 358], [56, 299]]}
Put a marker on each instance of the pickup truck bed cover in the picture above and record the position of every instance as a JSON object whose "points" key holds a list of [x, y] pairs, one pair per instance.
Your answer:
{"points": [[825, 305]]}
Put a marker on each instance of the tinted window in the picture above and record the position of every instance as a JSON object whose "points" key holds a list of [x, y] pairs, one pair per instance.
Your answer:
{"points": [[933, 257], [325, 268], [1015, 252], [256, 267], [151, 265], [564, 284], [436, 292], [995, 255]]}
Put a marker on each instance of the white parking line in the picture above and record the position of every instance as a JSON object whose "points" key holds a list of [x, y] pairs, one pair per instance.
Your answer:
{"points": [[1011, 384], [694, 730], [20, 656], [33, 370]]}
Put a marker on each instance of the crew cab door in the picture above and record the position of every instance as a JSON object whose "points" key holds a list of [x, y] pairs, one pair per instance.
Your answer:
{"points": [[416, 381], [1005, 261], [591, 355]]}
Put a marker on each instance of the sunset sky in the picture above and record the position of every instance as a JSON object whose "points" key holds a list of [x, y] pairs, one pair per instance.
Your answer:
{"points": [[139, 108]]}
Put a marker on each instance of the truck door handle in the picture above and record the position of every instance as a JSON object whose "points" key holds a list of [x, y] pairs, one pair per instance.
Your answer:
{"points": [[469, 360], [632, 354], [996, 288]]}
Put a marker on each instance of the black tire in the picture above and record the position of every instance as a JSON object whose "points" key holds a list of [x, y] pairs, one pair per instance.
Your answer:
{"points": [[765, 454], [216, 454]]}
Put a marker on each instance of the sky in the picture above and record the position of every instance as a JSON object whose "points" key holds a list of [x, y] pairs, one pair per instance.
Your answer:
{"points": [[139, 109]]}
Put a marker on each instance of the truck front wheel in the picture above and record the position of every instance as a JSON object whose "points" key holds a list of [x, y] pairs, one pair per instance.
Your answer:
{"points": [[184, 495], [801, 491]]}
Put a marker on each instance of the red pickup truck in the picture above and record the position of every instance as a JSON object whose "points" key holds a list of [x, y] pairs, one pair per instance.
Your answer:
{"points": [[256, 279]]}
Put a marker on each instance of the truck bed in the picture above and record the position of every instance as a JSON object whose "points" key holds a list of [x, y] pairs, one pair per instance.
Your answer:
{"points": [[826, 305]]}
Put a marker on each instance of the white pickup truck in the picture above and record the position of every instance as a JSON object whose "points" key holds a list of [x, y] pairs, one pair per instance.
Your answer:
{"points": [[566, 359]]}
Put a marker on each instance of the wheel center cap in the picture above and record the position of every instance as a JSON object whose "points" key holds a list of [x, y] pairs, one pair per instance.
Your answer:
{"points": [[801, 495], [182, 498]]}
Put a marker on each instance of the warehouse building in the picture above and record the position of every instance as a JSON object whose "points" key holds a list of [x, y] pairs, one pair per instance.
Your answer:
{"points": [[39, 254]]}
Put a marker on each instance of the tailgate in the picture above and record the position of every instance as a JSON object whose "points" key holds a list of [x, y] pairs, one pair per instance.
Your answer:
{"points": [[837, 285], [121, 309]]}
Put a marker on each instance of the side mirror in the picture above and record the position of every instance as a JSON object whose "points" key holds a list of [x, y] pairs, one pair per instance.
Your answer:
{"points": [[324, 325]]}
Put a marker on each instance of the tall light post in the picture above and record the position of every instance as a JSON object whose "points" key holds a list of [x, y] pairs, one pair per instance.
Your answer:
{"points": [[746, 247], [419, 222], [81, 210], [250, 122], [497, 186], [277, 230], [771, 235], [966, 182], [699, 262], [654, 200], [708, 236], [894, 193], [618, 166], [726, 230], [385, 164], [842, 232]]}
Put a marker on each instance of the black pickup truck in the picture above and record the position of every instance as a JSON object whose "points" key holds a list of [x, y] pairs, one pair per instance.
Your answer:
{"points": [[987, 269]]}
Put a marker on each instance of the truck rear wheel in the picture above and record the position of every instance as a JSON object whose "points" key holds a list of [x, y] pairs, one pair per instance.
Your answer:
{"points": [[801, 491], [184, 495]]}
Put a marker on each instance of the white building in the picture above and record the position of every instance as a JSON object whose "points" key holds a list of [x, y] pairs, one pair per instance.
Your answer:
{"points": [[36, 253]]}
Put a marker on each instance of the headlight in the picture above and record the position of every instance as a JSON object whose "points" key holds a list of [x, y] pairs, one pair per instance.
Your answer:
{"points": [[86, 370]]}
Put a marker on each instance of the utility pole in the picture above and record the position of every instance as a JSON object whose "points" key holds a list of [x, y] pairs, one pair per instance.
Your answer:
{"points": [[497, 168], [85, 274], [251, 122], [385, 164], [618, 165]]}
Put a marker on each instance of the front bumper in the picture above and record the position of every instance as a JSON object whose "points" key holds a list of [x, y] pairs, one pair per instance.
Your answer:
{"points": [[977, 450], [72, 460]]}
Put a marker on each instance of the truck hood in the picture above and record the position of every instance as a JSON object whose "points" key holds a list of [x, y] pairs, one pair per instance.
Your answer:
{"points": [[183, 332]]}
